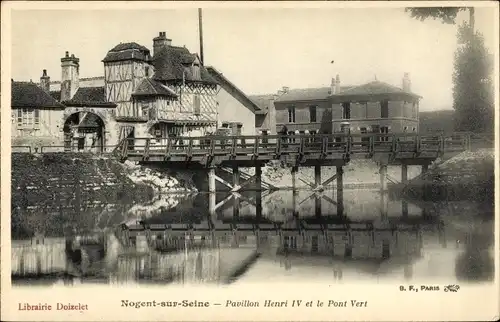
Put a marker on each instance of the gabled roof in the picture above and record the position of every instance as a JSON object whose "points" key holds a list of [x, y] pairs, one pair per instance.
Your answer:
{"points": [[56, 95], [89, 96], [26, 94], [233, 89], [151, 87], [169, 64], [262, 101], [127, 51], [308, 94], [374, 88]]}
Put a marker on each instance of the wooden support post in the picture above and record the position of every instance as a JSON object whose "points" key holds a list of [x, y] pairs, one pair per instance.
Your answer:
{"points": [[383, 206], [317, 175], [294, 177], [236, 176], [258, 177], [258, 192], [211, 180], [340, 191], [317, 183], [236, 207], [404, 205], [383, 178], [404, 174]]}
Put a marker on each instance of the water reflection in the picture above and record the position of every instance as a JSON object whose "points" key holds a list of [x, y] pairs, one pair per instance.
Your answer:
{"points": [[290, 236]]}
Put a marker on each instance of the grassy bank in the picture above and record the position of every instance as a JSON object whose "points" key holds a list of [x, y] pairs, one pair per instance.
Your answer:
{"points": [[467, 176]]}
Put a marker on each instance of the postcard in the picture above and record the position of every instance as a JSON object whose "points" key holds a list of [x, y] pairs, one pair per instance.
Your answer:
{"points": [[220, 161]]}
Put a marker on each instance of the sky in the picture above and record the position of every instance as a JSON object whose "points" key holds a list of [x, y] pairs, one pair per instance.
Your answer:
{"points": [[260, 50]]}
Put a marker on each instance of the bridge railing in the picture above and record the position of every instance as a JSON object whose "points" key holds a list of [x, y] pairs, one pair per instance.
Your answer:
{"points": [[322, 144]]}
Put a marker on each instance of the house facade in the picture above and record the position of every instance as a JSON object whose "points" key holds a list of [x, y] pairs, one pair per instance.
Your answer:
{"points": [[166, 92], [236, 110], [36, 116], [374, 107]]}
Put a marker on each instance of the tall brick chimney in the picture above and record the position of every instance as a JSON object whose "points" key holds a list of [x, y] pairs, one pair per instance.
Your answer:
{"points": [[406, 82], [45, 81], [70, 66], [160, 42]]}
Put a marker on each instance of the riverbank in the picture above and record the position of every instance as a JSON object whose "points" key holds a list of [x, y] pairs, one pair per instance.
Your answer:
{"points": [[467, 176], [52, 193]]}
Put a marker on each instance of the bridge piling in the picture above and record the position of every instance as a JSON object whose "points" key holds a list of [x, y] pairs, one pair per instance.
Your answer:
{"points": [[404, 174], [258, 191], [317, 183], [340, 191], [383, 178]]}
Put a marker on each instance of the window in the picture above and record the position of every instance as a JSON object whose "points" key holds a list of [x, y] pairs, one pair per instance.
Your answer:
{"points": [[291, 114], [364, 130], [414, 129], [146, 71], [28, 118], [144, 110], [384, 130], [197, 107], [312, 114], [346, 111], [291, 134], [405, 129], [196, 71], [384, 109]]}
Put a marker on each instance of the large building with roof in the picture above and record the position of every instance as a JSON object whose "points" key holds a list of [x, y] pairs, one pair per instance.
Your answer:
{"points": [[164, 93], [374, 107]]}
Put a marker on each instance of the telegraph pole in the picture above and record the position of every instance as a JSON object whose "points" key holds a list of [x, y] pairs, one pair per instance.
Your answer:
{"points": [[200, 27]]}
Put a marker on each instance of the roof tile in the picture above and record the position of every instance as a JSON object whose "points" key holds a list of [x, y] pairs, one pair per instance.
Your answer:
{"points": [[152, 87], [169, 65], [26, 94]]}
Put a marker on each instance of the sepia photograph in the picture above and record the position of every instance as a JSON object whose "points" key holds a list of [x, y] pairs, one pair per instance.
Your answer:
{"points": [[218, 146]]}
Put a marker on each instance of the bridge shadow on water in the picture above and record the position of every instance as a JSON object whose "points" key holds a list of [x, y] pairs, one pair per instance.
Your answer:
{"points": [[253, 236]]}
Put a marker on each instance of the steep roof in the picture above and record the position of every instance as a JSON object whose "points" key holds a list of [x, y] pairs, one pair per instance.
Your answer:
{"points": [[374, 88], [127, 51], [26, 94], [56, 95], [307, 94], [231, 88], [151, 87], [262, 101], [91, 96], [169, 65]]}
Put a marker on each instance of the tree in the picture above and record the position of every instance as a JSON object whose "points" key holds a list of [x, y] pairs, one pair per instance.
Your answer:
{"points": [[473, 98], [445, 14], [473, 93]]}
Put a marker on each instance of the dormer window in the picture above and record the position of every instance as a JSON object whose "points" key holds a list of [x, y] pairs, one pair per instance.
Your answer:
{"points": [[196, 71], [146, 71]]}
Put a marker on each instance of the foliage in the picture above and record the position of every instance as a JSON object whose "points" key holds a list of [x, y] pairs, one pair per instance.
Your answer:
{"points": [[473, 96], [445, 14]]}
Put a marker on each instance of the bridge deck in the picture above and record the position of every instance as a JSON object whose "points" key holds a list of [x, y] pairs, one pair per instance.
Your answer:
{"points": [[331, 149]]}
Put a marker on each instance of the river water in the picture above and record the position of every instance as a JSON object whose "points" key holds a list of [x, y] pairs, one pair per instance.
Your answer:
{"points": [[445, 242]]}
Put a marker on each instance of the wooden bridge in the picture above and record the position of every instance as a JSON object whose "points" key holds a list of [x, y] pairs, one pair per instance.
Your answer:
{"points": [[315, 151], [295, 150]]}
